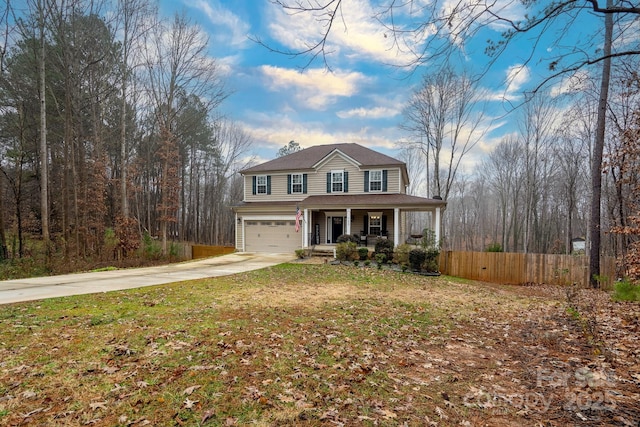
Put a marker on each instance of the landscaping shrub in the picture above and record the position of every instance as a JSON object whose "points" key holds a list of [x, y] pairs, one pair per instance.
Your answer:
{"points": [[384, 247], [424, 260], [363, 253], [346, 251], [431, 264], [417, 257], [343, 238], [380, 259], [429, 239], [401, 254]]}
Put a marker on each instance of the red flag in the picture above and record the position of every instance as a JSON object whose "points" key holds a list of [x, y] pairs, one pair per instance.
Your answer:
{"points": [[298, 217]]}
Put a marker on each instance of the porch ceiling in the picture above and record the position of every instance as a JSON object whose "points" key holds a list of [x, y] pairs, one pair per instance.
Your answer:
{"points": [[369, 201]]}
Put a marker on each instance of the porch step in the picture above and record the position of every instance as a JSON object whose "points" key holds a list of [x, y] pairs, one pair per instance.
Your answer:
{"points": [[320, 250]]}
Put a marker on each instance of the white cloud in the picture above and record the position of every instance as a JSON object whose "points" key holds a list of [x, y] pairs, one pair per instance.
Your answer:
{"points": [[355, 33], [516, 77], [228, 64], [577, 82], [315, 88], [236, 30], [369, 113], [465, 17], [271, 132]]}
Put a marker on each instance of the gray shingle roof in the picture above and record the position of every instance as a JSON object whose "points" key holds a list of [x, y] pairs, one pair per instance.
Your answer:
{"points": [[305, 159], [355, 201], [367, 200]]}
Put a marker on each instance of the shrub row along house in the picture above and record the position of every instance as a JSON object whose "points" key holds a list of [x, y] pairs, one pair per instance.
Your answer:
{"points": [[314, 195]]}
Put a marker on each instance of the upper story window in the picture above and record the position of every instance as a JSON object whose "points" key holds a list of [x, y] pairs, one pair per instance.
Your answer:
{"points": [[375, 180], [296, 183], [337, 181], [261, 184]]}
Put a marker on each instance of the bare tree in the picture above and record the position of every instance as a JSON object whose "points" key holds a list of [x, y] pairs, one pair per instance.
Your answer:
{"points": [[503, 171], [133, 23], [620, 182], [572, 154], [4, 22], [177, 64], [232, 144], [595, 225], [444, 120], [40, 7], [538, 134]]}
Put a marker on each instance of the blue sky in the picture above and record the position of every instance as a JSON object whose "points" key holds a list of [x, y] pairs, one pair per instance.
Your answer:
{"points": [[276, 100]]}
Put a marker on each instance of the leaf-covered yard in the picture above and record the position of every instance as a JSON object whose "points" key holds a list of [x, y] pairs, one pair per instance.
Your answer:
{"points": [[317, 344]]}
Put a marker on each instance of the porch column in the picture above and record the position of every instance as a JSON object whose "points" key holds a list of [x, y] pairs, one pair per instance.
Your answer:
{"points": [[305, 228], [435, 225], [396, 226], [348, 230]]}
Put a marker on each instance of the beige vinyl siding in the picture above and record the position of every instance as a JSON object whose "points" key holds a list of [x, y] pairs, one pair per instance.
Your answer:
{"points": [[278, 189], [394, 184], [336, 163], [317, 182], [318, 185]]}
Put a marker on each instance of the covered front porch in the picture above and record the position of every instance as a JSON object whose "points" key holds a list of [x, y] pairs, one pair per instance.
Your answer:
{"points": [[369, 217]]}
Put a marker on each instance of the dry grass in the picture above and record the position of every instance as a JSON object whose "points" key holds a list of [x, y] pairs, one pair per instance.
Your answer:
{"points": [[303, 344]]}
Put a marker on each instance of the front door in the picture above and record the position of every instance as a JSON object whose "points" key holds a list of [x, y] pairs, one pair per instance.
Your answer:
{"points": [[337, 228]]}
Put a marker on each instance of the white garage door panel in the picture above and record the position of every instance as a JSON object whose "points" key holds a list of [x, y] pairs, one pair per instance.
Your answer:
{"points": [[271, 236]]}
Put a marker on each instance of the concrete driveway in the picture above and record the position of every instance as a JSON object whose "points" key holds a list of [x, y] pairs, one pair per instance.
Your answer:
{"points": [[104, 281]]}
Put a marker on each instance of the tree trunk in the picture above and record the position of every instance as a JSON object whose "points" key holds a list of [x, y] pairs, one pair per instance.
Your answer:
{"points": [[598, 147], [3, 242], [44, 158]]}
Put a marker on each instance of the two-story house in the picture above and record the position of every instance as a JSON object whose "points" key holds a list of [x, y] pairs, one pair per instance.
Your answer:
{"points": [[312, 196]]}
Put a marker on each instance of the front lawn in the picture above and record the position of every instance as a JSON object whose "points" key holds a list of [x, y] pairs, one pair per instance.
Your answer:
{"points": [[318, 344]]}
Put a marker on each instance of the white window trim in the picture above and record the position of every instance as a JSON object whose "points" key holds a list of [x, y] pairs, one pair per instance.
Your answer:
{"points": [[258, 185], [341, 172], [301, 183], [374, 214], [371, 180]]}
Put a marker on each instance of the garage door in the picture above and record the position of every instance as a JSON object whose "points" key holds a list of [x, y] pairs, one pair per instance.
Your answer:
{"points": [[272, 236]]}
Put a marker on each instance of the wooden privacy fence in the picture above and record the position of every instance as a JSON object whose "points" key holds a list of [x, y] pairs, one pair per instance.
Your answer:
{"points": [[202, 251], [518, 268]]}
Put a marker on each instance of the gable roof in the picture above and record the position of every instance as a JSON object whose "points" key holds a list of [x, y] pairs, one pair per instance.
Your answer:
{"points": [[310, 157]]}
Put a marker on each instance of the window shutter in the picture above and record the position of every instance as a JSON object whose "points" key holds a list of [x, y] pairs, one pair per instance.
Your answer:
{"points": [[304, 183], [384, 224], [268, 184], [289, 184], [366, 224], [328, 182], [345, 184], [254, 185], [384, 180], [366, 181]]}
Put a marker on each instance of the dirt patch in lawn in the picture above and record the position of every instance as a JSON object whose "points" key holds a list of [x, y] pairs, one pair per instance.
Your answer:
{"points": [[316, 344]]}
